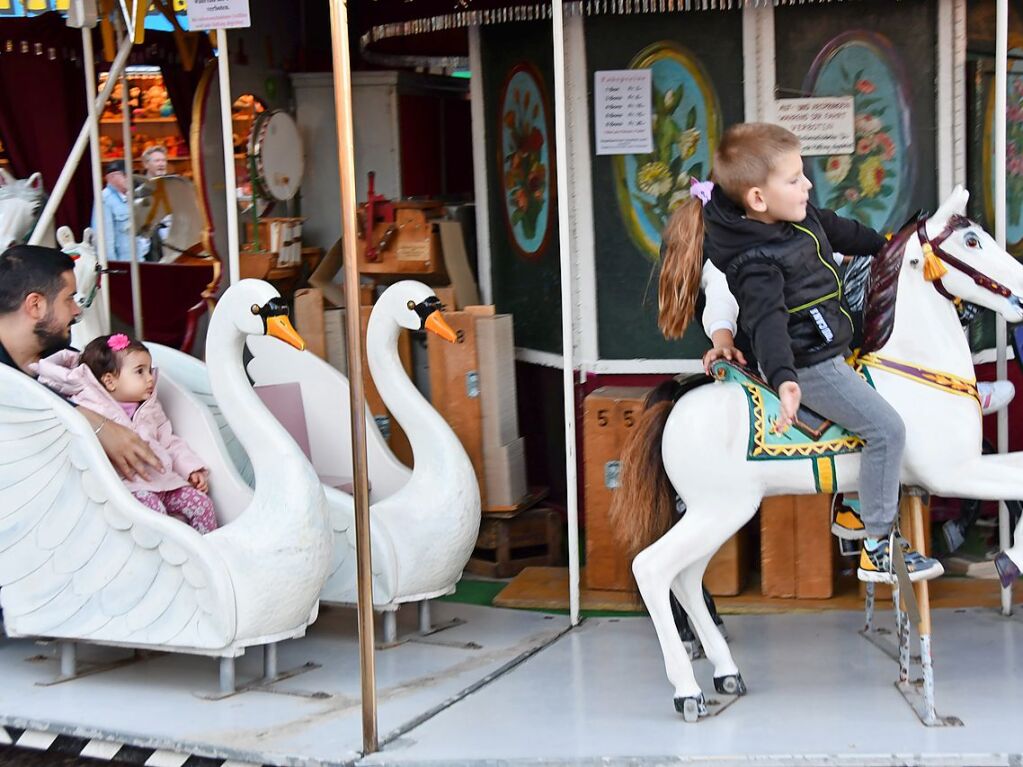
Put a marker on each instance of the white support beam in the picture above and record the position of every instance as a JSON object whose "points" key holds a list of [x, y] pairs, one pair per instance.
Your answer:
{"points": [[479, 166], [759, 76]]}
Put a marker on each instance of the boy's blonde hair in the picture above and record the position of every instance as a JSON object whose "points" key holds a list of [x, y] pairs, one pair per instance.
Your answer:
{"points": [[747, 155]]}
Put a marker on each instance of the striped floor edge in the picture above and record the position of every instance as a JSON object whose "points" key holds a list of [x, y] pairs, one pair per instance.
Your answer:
{"points": [[106, 750]]}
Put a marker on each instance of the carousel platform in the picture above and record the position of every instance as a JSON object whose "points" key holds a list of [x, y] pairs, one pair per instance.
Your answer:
{"points": [[511, 687]]}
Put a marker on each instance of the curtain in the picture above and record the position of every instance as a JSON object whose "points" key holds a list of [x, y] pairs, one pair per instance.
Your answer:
{"points": [[43, 108]]}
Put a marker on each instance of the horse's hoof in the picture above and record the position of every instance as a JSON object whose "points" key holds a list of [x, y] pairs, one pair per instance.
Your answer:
{"points": [[691, 708], [694, 649], [1007, 570], [730, 685]]}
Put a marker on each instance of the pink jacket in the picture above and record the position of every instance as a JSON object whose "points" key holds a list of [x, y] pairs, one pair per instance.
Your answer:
{"points": [[62, 373]]}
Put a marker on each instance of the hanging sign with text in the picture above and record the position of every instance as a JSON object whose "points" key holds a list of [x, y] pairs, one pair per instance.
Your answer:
{"points": [[218, 14], [623, 107], [825, 126]]}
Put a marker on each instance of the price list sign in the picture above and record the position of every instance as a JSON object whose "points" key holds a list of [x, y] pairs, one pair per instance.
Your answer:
{"points": [[623, 109]]}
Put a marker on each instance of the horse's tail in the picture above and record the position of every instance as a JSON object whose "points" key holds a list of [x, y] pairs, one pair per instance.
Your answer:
{"points": [[643, 506], [681, 266]]}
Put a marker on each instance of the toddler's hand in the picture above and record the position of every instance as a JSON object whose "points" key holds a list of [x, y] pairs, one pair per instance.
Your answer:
{"points": [[197, 479], [729, 353], [789, 394]]}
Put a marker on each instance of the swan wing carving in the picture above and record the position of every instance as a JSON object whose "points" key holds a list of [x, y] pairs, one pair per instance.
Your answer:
{"points": [[192, 374], [79, 557]]}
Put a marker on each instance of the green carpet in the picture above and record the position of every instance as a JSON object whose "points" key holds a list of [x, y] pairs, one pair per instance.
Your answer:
{"points": [[469, 592]]}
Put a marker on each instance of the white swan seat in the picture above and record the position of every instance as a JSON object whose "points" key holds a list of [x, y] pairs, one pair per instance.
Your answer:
{"points": [[81, 559], [424, 522]]}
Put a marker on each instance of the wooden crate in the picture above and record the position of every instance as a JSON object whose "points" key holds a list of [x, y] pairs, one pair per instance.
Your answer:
{"points": [[507, 545], [796, 547]]}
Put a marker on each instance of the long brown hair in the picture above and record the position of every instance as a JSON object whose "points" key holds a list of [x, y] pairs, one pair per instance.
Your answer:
{"points": [[681, 267]]}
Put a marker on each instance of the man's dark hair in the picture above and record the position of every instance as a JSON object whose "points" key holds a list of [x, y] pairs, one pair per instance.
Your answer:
{"points": [[27, 269]]}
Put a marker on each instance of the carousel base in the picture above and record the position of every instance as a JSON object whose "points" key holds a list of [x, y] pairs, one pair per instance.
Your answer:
{"points": [[510, 687]]}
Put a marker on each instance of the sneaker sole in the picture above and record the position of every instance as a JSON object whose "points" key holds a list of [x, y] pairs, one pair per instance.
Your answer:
{"points": [[872, 576], [846, 534]]}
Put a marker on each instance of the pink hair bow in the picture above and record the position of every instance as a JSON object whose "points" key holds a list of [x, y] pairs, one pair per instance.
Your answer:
{"points": [[701, 190]]}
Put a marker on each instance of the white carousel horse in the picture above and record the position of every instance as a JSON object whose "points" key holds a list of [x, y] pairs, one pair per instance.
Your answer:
{"points": [[81, 559], [20, 205], [923, 370], [173, 199], [424, 522], [87, 280]]}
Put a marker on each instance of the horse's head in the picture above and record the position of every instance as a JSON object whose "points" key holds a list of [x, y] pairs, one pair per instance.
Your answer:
{"points": [[964, 262], [20, 203], [87, 270]]}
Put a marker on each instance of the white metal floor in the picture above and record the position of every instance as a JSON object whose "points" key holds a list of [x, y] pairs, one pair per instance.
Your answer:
{"points": [[511, 687]]}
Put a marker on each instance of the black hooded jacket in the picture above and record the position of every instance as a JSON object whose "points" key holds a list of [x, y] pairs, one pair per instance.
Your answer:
{"points": [[786, 283]]}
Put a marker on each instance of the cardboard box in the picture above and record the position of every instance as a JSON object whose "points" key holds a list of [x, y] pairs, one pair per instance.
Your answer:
{"points": [[729, 568], [309, 321], [495, 350], [455, 389], [505, 470], [609, 413], [796, 548]]}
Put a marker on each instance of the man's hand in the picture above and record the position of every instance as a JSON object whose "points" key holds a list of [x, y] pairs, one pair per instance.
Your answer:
{"points": [[127, 451], [198, 480], [789, 394]]}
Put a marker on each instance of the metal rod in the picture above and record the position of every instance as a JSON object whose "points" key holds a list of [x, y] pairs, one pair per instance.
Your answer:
{"points": [[68, 659], [129, 171], [227, 683], [78, 150], [567, 306], [927, 672], [270, 661], [346, 159], [868, 609], [390, 627], [425, 625], [1001, 88], [230, 179], [97, 178]]}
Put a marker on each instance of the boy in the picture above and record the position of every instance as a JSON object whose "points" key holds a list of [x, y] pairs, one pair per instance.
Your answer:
{"points": [[775, 250]]}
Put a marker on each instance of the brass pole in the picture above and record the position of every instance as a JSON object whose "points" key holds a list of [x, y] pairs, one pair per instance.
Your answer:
{"points": [[346, 163]]}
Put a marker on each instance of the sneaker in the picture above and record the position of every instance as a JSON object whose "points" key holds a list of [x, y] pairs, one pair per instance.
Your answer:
{"points": [[847, 524], [994, 395], [876, 566]]}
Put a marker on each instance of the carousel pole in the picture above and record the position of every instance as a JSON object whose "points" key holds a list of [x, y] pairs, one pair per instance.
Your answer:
{"points": [[1001, 86], [78, 150], [567, 306], [129, 171], [346, 159], [230, 179], [97, 175]]}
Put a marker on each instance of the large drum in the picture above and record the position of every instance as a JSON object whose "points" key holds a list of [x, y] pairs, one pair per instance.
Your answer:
{"points": [[275, 151]]}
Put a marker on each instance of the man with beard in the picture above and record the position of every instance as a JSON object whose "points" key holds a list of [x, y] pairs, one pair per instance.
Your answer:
{"points": [[37, 310]]}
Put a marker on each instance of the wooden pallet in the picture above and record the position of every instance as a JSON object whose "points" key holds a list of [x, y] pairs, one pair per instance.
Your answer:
{"points": [[509, 544]]}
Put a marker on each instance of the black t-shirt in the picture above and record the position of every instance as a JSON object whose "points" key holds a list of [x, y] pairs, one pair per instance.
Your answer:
{"points": [[5, 358]]}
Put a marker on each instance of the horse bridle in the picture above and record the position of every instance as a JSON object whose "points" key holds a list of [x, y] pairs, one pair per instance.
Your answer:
{"points": [[931, 246]]}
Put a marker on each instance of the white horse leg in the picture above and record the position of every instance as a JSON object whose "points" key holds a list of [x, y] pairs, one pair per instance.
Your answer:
{"points": [[727, 679], [694, 538], [690, 640]]}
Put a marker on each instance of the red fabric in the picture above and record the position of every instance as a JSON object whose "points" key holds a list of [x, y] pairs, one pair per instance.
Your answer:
{"points": [[42, 106]]}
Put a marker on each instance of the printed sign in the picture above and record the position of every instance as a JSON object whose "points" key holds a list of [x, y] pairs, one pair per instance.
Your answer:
{"points": [[623, 109], [825, 126], [218, 14]]}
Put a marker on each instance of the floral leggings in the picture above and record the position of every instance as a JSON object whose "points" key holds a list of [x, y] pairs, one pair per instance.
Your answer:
{"points": [[185, 503]]}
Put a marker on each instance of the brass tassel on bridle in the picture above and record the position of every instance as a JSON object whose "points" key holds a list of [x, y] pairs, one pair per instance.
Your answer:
{"points": [[933, 268]]}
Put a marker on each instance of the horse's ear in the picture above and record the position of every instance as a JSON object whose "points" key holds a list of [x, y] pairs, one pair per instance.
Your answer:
{"points": [[87, 236], [6, 178], [955, 205], [35, 181], [64, 237]]}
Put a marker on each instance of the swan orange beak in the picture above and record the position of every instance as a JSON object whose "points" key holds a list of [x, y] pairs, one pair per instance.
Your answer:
{"points": [[280, 327], [436, 324]]}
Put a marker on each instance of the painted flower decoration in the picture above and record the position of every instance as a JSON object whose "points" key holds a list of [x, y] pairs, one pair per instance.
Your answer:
{"points": [[655, 179], [837, 168]]}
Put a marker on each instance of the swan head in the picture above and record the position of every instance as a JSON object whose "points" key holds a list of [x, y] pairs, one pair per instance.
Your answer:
{"points": [[257, 309], [414, 306]]}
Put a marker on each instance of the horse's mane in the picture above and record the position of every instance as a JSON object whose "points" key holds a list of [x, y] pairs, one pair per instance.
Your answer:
{"points": [[879, 308]]}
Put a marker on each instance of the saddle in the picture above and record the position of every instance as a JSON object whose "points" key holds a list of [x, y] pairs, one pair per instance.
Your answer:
{"points": [[810, 436]]}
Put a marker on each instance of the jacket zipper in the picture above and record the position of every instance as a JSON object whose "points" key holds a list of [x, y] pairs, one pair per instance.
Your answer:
{"points": [[838, 282]]}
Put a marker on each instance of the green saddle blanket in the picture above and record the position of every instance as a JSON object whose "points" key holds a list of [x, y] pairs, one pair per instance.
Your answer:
{"points": [[809, 437]]}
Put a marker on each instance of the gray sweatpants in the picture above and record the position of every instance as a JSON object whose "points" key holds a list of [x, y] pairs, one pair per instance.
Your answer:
{"points": [[833, 389]]}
